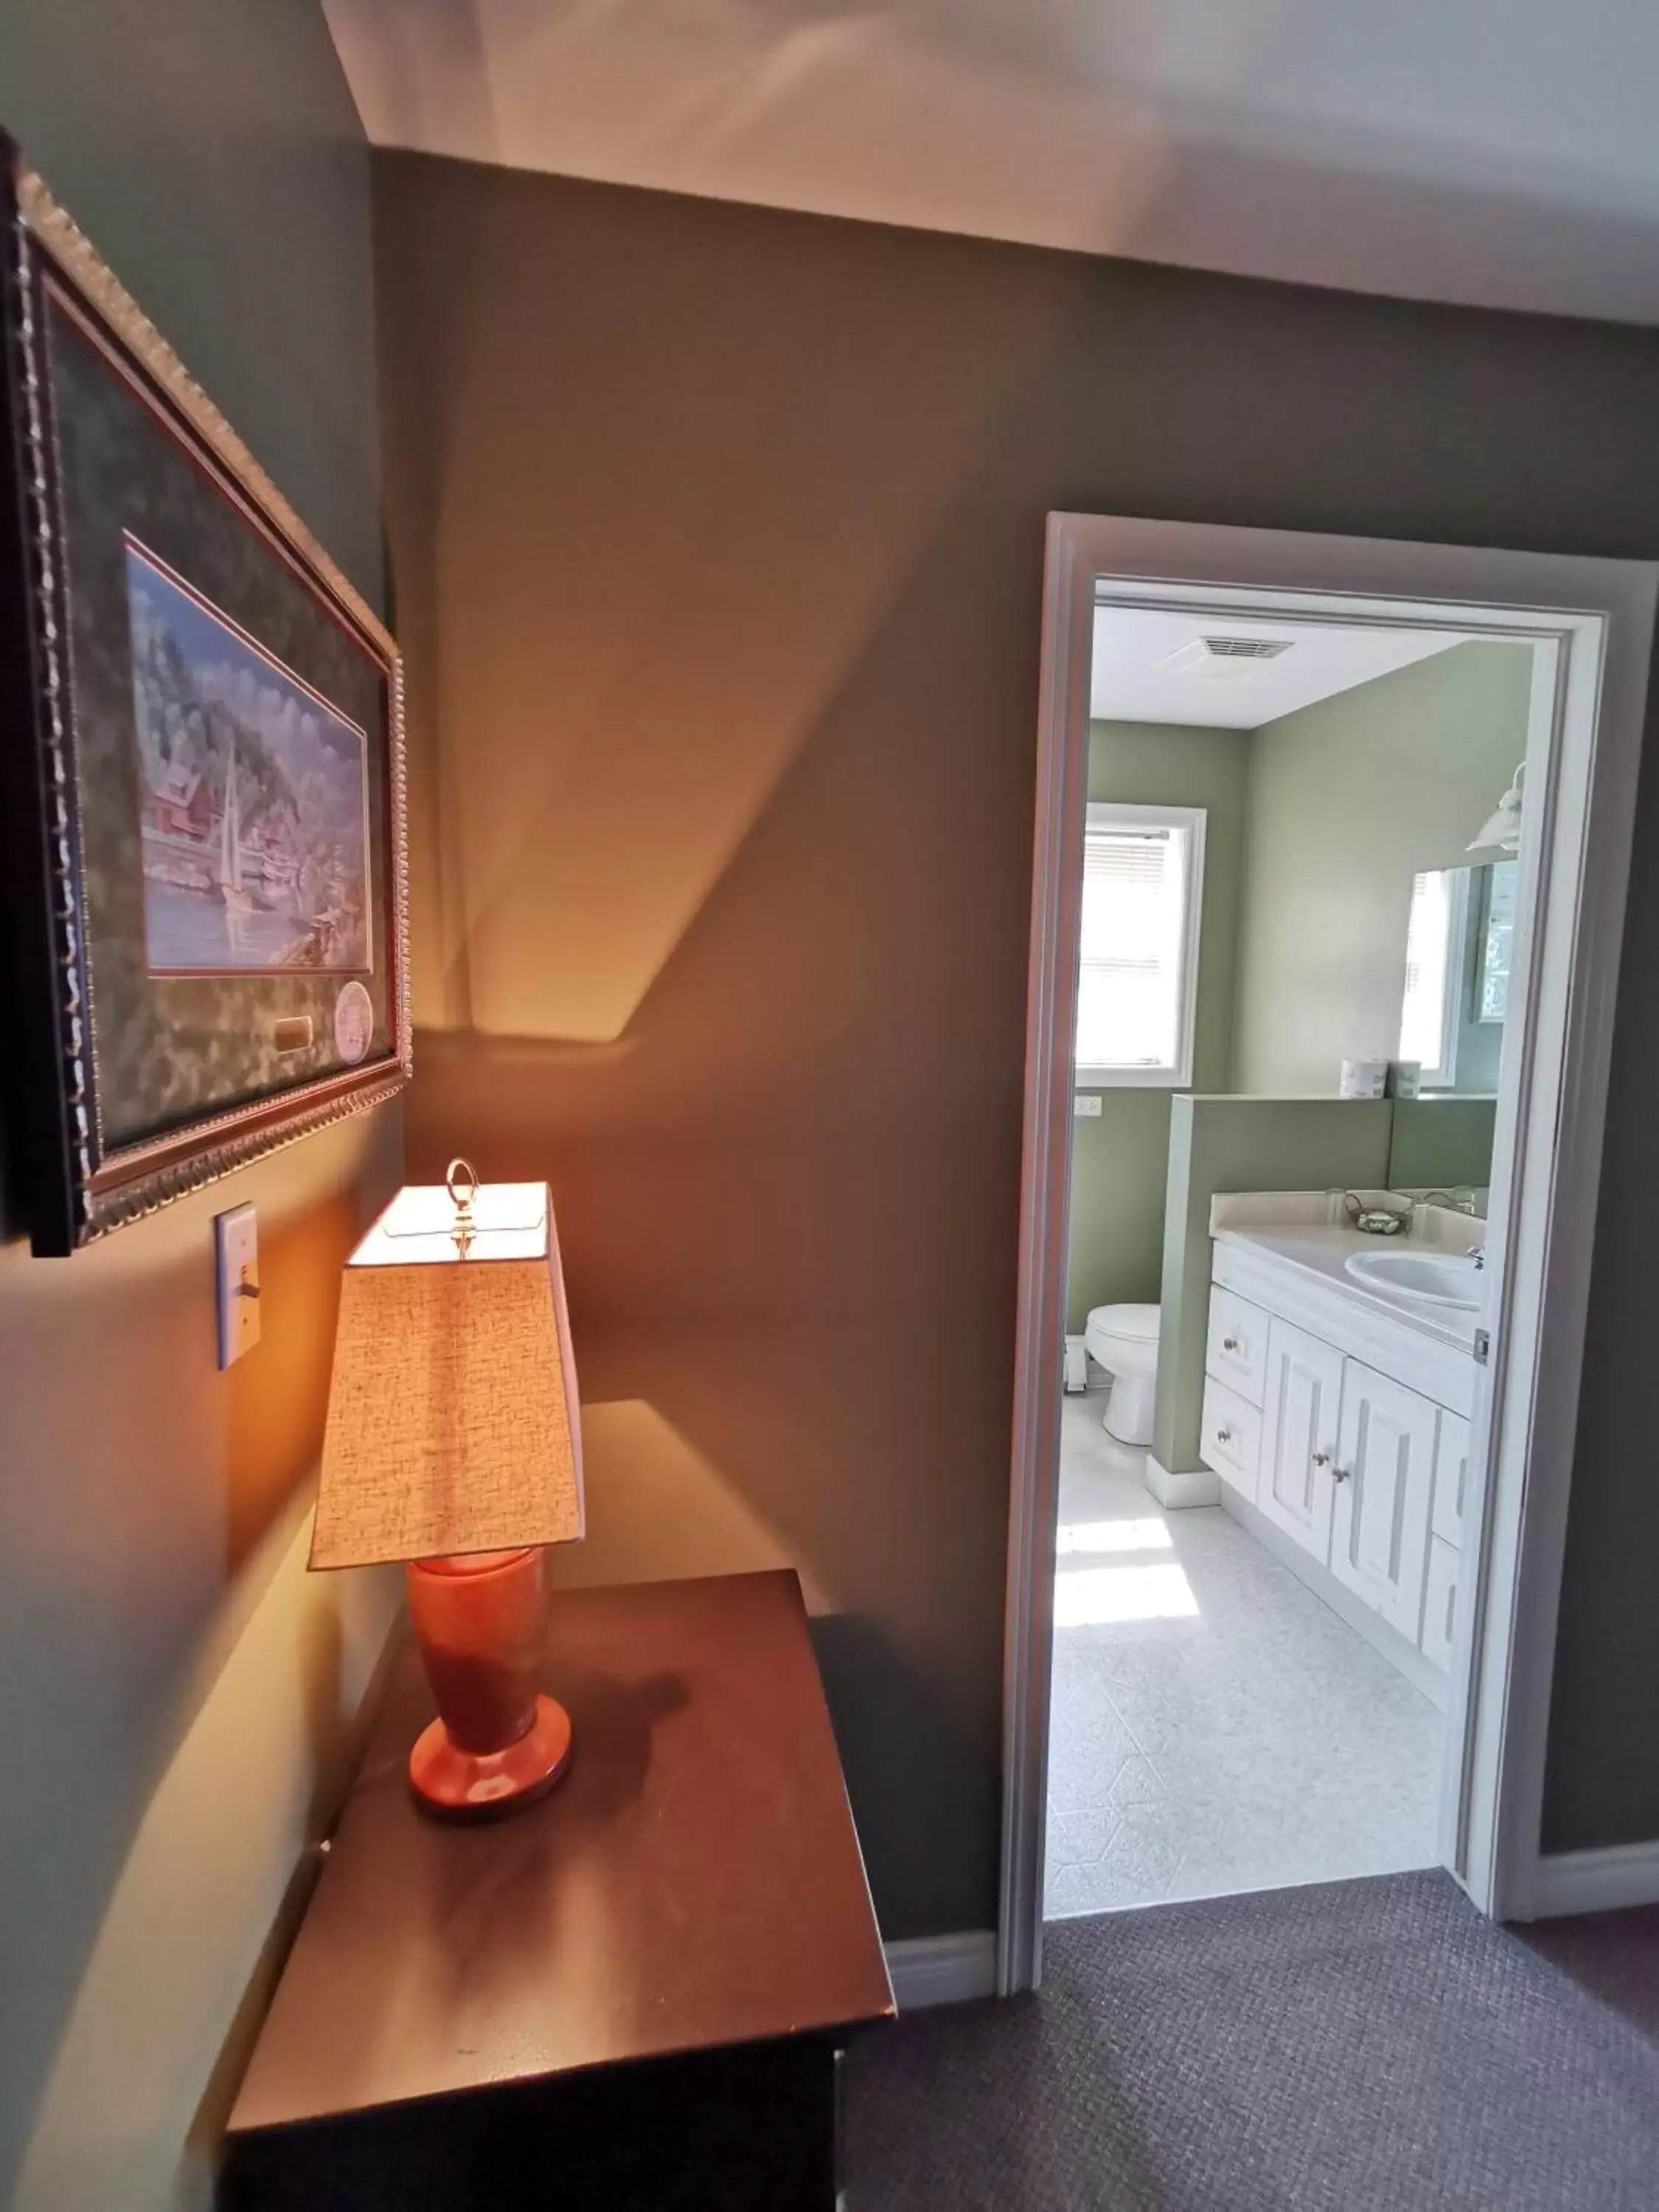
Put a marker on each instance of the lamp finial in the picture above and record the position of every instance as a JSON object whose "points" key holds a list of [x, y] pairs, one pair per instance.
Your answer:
{"points": [[461, 1181]]}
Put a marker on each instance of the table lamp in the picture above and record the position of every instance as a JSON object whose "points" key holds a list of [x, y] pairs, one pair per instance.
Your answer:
{"points": [[454, 1444]]}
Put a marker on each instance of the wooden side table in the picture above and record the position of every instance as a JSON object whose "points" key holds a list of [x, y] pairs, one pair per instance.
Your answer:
{"points": [[630, 1994]]}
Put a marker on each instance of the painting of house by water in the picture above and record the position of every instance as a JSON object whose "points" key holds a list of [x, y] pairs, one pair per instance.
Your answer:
{"points": [[254, 803]]}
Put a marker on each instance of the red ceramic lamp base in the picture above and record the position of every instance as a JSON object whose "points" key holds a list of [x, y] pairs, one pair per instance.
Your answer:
{"points": [[478, 1784], [498, 1742]]}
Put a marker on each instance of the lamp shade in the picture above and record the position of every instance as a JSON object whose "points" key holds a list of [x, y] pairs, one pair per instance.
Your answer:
{"points": [[452, 1416]]}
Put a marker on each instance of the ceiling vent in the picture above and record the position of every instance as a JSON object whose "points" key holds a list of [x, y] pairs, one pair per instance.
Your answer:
{"points": [[1225, 656], [1245, 649]]}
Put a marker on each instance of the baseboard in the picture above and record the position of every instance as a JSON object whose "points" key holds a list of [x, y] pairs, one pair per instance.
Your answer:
{"points": [[936, 1970], [1174, 1492], [1568, 1882]]}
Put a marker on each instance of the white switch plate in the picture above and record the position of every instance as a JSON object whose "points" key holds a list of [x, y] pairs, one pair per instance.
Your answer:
{"points": [[236, 1248], [1087, 1103]]}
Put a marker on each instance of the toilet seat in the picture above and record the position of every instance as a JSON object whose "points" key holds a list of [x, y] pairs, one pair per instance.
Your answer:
{"points": [[1137, 1323]]}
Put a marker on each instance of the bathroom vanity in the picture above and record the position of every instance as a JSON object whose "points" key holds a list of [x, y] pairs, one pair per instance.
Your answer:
{"points": [[1340, 1383]]}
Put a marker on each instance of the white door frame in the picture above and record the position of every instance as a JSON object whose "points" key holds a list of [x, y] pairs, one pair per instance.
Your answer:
{"points": [[1595, 620]]}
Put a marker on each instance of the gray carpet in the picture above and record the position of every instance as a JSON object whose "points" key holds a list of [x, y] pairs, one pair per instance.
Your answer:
{"points": [[1367, 2046]]}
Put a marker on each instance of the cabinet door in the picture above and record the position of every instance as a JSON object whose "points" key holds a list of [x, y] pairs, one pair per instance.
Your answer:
{"points": [[1440, 1603], [1299, 1435], [1451, 1477], [1385, 1481]]}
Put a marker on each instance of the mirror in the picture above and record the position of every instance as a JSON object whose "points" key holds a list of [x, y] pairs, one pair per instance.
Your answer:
{"points": [[1497, 934], [1458, 945], [1458, 942]]}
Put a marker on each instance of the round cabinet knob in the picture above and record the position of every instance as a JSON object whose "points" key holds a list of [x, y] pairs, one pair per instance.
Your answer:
{"points": [[1339, 1473], [1230, 1343], [1224, 1436], [1321, 1459]]}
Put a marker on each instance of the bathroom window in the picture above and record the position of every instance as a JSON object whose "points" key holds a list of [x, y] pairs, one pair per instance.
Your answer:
{"points": [[1437, 938], [1142, 875], [1492, 983]]}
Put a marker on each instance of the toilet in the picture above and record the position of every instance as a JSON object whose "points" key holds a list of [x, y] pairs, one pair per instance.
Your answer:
{"points": [[1124, 1340]]}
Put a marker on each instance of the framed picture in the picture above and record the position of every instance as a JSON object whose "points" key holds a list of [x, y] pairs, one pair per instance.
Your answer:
{"points": [[202, 778]]}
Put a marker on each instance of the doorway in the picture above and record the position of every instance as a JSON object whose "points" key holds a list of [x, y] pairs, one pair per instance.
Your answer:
{"points": [[1293, 862], [1582, 629]]}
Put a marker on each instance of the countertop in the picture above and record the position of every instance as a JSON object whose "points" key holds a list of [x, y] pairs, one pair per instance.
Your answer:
{"points": [[1322, 1252]]}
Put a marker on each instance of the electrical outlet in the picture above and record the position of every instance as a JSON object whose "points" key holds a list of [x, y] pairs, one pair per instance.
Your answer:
{"points": [[236, 1248], [1086, 1104]]}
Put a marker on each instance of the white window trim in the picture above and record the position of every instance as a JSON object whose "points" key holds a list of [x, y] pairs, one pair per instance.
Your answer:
{"points": [[1111, 814]]}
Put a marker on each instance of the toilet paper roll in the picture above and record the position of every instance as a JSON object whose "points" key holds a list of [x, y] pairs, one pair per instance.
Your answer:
{"points": [[1365, 1078], [1404, 1079]]}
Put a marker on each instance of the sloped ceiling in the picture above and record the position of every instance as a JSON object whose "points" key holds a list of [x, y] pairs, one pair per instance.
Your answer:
{"points": [[1495, 152]]}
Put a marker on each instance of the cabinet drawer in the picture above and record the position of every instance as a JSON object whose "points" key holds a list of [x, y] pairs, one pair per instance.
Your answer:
{"points": [[1230, 1439], [1238, 1351], [1439, 1603], [1451, 1477]]}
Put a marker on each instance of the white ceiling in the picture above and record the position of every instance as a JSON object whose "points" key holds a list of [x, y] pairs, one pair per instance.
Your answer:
{"points": [[1497, 152], [1132, 682]]}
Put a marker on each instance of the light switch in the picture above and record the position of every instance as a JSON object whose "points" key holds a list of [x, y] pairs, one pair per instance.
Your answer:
{"points": [[236, 1244], [1087, 1105]]}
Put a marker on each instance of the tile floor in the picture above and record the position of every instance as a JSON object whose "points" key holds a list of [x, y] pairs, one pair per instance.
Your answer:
{"points": [[1215, 1727]]}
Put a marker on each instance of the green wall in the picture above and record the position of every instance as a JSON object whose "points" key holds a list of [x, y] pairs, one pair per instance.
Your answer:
{"points": [[1317, 823], [1348, 799], [1242, 1144], [1283, 1143], [177, 1693], [1119, 1162], [1441, 1144]]}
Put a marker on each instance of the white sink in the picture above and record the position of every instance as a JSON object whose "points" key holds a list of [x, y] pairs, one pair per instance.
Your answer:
{"points": [[1433, 1279]]}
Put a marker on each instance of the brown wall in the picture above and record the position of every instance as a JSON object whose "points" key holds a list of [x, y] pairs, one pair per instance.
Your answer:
{"points": [[717, 541], [175, 1693]]}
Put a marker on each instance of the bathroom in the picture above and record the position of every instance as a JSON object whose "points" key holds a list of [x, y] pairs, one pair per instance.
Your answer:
{"points": [[1300, 880]]}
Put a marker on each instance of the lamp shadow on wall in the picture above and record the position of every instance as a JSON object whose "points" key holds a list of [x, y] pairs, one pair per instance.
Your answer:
{"points": [[722, 863], [757, 1392], [620, 644], [789, 1265]]}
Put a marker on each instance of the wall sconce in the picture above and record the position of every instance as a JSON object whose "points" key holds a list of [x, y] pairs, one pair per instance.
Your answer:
{"points": [[1503, 828]]}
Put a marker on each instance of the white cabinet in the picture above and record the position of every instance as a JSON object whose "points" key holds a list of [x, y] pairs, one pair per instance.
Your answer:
{"points": [[1229, 1440], [1363, 1478], [1301, 1414], [1237, 1352], [1451, 1477], [1439, 1603], [1383, 1484]]}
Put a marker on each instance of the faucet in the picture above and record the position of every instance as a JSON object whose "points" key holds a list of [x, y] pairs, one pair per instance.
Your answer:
{"points": [[1460, 1201], [1478, 1253]]}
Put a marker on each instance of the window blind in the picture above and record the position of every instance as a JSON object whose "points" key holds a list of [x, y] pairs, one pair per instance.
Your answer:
{"points": [[1134, 900]]}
